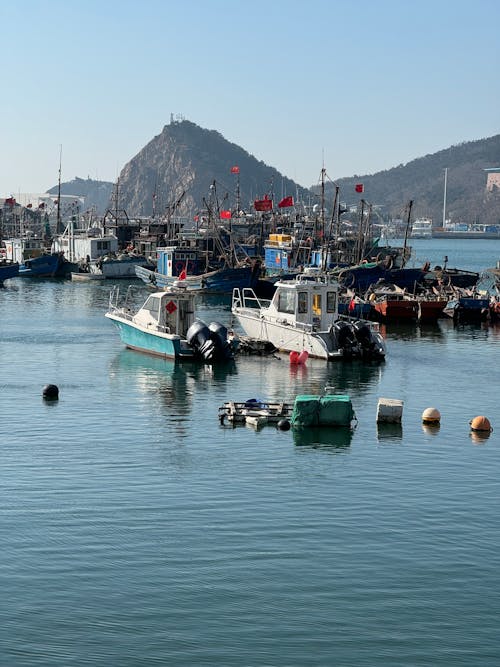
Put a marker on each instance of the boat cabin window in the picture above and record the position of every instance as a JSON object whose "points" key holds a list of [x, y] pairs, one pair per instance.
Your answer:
{"points": [[286, 301], [331, 302], [303, 305], [152, 305], [316, 304]]}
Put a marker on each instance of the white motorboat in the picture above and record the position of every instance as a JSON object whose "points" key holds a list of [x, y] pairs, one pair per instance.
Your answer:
{"points": [[303, 316]]}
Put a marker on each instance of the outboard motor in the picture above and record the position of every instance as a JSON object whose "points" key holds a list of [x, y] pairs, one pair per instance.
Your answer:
{"points": [[210, 342], [199, 337], [219, 336], [364, 337], [346, 339]]}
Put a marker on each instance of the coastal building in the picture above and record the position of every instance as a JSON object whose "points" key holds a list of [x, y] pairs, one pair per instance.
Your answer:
{"points": [[493, 180]]}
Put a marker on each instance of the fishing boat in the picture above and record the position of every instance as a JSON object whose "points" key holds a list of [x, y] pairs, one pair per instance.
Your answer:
{"points": [[173, 262], [34, 260], [468, 308], [421, 228], [166, 326], [303, 316]]}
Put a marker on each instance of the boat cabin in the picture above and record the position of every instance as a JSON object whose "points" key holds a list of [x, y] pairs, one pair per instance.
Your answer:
{"points": [[85, 244], [171, 311], [309, 299], [171, 261]]}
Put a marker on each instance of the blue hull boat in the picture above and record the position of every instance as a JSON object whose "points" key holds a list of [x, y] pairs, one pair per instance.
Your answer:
{"points": [[360, 277], [468, 309], [221, 281], [44, 266]]}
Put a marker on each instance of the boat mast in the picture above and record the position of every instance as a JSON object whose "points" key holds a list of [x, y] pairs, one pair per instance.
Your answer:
{"points": [[58, 222], [407, 230], [444, 196]]}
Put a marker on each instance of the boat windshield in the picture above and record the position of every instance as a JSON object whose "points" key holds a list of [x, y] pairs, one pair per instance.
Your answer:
{"points": [[286, 301]]}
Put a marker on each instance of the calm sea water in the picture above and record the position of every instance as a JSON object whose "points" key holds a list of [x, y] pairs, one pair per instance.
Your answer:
{"points": [[137, 531]]}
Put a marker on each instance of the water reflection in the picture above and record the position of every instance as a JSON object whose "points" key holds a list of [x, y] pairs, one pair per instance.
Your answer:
{"points": [[173, 381], [389, 432], [434, 331], [479, 437], [274, 378], [431, 429], [323, 437]]}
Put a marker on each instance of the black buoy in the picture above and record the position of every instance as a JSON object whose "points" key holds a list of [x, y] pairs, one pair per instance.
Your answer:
{"points": [[283, 425], [50, 392]]}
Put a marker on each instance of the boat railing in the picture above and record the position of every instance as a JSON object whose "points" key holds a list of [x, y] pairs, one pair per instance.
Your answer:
{"points": [[116, 302], [246, 298]]}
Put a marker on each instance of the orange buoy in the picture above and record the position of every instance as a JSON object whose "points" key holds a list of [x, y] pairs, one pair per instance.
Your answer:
{"points": [[480, 423], [431, 416]]}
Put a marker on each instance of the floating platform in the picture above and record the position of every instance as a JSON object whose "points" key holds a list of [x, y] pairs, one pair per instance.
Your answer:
{"points": [[253, 412]]}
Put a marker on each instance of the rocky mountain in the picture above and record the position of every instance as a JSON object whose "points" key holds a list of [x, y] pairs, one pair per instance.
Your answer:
{"points": [[183, 163], [422, 180]]}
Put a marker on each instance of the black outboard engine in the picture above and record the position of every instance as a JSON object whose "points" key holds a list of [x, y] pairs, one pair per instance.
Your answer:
{"points": [[364, 337], [210, 342], [199, 337], [346, 338], [219, 336]]}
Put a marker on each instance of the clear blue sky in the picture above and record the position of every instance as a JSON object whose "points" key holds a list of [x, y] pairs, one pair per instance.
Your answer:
{"points": [[356, 85]]}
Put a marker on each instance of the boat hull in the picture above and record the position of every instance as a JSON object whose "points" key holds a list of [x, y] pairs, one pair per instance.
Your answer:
{"points": [[431, 311], [154, 343], [44, 266], [390, 310], [362, 277], [8, 271], [222, 281], [117, 268], [281, 336]]}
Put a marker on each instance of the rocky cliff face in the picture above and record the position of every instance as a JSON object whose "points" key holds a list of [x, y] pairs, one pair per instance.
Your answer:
{"points": [[183, 162]]}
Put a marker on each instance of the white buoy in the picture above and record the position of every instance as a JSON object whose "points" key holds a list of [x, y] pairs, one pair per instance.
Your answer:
{"points": [[431, 416], [389, 411]]}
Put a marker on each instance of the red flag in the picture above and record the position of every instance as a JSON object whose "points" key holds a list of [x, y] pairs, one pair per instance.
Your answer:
{"points": [[286, 202], [265, 204], [359, 187], [196, 218], [352, 305], [235, 169], [183, 273], [225, 215]]}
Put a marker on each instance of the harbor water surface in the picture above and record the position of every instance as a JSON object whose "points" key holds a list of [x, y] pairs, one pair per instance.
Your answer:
{"points": [[138, 531]]}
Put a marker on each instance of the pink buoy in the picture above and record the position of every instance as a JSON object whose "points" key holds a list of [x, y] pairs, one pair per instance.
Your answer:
{"points": [[294, 357], [303, 357]]}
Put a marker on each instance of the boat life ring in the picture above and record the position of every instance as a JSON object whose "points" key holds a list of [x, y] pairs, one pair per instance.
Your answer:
{"points": [[348, 278]]}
